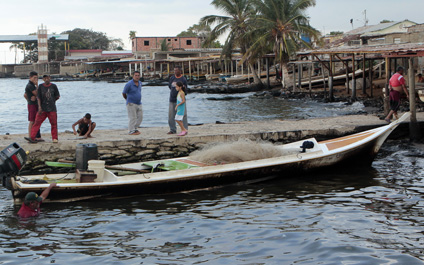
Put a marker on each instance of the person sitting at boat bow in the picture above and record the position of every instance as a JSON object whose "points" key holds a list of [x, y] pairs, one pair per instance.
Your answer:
{"points": [[31, 206]]}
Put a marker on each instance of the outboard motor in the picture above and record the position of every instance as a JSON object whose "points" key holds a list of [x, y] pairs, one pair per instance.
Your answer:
{"points": [[306, 145], [12, 159]]}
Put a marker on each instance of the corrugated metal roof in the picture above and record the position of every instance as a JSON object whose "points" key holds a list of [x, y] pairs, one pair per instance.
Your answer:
{"points": [[367, 30], [383, 49], [20, 38]]}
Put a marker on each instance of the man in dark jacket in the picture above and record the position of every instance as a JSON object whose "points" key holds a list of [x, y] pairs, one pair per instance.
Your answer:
{"points": [[177, 77]]}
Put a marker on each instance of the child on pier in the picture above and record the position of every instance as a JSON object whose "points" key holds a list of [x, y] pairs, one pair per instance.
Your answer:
{"points": [[85, 126], [180, 108]]}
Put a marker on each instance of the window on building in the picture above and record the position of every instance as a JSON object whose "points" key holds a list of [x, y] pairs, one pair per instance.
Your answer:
{"points": [[188, 42], [146, 43], [396, 40], [176, 39], [169, 39]]}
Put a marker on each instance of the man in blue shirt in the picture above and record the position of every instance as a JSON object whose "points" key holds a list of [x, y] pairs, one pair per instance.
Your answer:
{"points": [[132, 95]]}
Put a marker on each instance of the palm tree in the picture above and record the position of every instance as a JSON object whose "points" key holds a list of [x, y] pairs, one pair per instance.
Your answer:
{"points": [[238, 23], [132, 35], [14, 46], [282, 23]]}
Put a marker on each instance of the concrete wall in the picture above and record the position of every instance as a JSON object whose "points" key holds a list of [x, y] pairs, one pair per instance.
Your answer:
{"points": [[42, 68], [6, 70], [74, 68]]}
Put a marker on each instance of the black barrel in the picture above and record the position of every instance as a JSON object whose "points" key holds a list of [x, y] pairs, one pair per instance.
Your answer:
{"points": [[85, 152]]}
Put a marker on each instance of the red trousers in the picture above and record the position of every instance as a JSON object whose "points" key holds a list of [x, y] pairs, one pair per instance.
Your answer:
{"points": [[39, 120]]}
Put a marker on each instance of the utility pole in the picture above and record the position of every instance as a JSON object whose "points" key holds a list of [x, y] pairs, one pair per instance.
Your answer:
{"points": [[365, 18]]}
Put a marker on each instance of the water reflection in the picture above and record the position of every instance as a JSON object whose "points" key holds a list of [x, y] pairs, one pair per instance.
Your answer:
{"points": [[360, 216]]}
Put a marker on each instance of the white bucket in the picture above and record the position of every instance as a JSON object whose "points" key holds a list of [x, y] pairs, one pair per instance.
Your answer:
{"points": [[98, 166]]}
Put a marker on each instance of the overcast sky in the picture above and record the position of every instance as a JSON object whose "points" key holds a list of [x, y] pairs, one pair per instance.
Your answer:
{"points": [[117, 18]]}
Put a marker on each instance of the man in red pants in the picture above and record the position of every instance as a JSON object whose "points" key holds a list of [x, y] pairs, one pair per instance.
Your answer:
{"points": [[46, 96]]}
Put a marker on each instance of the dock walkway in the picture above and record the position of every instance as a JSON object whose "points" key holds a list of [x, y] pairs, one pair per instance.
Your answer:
{"points": [[116, 146]]}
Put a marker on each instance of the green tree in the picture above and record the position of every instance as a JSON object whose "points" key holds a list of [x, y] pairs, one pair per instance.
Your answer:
{"points": [[202, 31], [283, 23], [132, 34], [115, 44], [164, 45], [12, 47], [56, 49], [87, 39], [386, 21], [238, 22], [335, 33]]}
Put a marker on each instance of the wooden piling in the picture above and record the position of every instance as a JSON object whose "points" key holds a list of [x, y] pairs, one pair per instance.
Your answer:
{"points": [[414, 129]]}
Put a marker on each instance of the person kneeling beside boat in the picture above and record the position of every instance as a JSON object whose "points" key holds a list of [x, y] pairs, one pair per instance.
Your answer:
{"points": [[31, 206]]}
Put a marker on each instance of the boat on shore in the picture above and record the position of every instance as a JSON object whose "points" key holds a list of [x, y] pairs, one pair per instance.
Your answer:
{"points": [[186, 173]]}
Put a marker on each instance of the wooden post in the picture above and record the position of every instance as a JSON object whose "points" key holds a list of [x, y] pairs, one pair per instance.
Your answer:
{"points": [[330, 79], [310, 79], [414, 128], [386, 87], [198, 70], [299, 77], [294, 77], [268, 84], [347, 77], [259, 68], [248, 73], [232, 67], [161, 71], [364, 83], [189, 70], [242, 72], [353, 78], [370, 76], [323, 78]]}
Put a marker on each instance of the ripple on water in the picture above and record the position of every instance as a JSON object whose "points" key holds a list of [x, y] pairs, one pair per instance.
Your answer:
{"points": [[358, 217]]}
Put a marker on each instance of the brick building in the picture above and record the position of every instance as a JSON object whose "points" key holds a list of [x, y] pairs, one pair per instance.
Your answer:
{"points": [[148, 44]]}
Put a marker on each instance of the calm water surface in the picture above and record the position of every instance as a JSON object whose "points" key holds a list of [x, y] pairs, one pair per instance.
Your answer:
{"points": [[107, 106], [362, 216]]}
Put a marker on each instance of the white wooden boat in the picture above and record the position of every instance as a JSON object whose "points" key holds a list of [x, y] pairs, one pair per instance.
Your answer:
{"points": [[184, 173]]}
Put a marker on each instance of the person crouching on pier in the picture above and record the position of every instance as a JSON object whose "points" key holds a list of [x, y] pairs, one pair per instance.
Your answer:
{"points": [[85, 126]]}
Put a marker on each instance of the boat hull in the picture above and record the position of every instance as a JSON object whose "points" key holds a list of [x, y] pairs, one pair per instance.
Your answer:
{"points": [[361, 156]]}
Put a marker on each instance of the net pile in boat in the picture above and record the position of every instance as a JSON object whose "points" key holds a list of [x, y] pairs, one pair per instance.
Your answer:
{"points": [[237, 151]]}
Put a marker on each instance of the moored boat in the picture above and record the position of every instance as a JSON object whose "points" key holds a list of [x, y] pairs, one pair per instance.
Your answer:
{"points": [[186, 173]]}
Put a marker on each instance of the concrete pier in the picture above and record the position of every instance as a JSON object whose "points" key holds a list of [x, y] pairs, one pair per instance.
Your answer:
{"points": [[116, 146]]}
